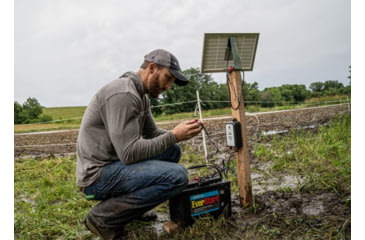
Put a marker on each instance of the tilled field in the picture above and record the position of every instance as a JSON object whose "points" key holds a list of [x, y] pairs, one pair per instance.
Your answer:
{"points": [[45, 144]]}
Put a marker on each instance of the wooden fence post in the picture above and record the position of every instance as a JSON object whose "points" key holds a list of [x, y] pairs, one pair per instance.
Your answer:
{"points": [[243, 161]]}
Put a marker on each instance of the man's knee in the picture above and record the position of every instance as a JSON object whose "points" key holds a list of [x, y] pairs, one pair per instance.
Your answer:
{"points": [[180, 175]]}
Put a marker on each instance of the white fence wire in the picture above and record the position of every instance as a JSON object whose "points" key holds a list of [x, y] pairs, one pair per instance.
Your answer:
{"points": [[318, 103]]}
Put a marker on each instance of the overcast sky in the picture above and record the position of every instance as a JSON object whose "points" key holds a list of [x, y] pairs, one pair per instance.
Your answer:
{"points": [[65, 50]]}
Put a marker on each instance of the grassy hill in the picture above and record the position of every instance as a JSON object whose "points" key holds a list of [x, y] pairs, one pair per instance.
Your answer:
{"points": [[59, 113]]}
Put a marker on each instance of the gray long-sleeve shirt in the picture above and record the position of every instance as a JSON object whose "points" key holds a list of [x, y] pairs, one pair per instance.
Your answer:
{"points": [[118, 126]]}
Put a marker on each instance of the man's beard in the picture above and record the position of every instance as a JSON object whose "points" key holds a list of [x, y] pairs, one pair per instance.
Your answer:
{"points": [[155, 89]]}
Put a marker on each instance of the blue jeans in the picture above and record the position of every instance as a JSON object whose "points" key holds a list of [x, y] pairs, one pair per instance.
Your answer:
{"points": [[127, 191]]}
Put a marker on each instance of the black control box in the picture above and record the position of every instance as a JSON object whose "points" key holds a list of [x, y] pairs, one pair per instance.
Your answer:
{"points": [[207, 197]]}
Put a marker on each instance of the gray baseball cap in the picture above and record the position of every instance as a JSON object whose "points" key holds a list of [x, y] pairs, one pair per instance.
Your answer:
{"points": [[166, 59]]}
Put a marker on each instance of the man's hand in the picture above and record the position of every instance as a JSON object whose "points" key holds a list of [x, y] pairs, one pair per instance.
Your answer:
{"points": [[187, 129]]}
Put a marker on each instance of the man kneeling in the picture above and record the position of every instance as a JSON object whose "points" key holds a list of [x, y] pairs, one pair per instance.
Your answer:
{"points": [[123, 158]]}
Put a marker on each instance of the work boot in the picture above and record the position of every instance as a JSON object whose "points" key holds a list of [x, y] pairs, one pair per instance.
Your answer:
{"points": [[148, 216], [104, 233]]}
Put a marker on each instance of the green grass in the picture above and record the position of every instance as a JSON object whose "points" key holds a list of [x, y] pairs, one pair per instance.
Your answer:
{"points": [[63, 118], [48, 205], [38, 127], [59, 113], [328, 100], [323, 158]]}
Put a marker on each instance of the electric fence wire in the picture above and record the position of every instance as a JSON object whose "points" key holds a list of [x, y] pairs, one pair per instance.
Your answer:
{"points": [[172, 104], [318, 104], [213, 136], [221, 168]]}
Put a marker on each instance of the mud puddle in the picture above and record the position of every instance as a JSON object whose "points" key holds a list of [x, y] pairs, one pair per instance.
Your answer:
{"points": [[264, 180]]}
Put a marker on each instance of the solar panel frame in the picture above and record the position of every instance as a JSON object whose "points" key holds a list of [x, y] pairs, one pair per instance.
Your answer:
{"points": [[214, 51]]}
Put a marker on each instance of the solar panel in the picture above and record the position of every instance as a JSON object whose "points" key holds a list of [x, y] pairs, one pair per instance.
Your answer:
{"points": [[215, 56]]}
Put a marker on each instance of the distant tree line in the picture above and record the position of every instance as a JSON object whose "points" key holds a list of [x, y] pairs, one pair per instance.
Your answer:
{"points": [[218, 94], [214, 95], [29, 112]]}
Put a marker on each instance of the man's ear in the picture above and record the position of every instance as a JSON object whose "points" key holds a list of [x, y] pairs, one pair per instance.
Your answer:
{"points": [[151, 67]]}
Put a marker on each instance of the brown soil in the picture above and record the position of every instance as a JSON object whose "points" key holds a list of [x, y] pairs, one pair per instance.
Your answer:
{"points": [[64, 142]]}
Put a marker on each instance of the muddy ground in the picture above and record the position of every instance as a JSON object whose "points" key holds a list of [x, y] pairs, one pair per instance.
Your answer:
{"points": [[294, 210]]}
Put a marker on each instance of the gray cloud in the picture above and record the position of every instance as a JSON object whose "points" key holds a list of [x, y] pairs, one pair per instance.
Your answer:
{"points": [[66, 50]]}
